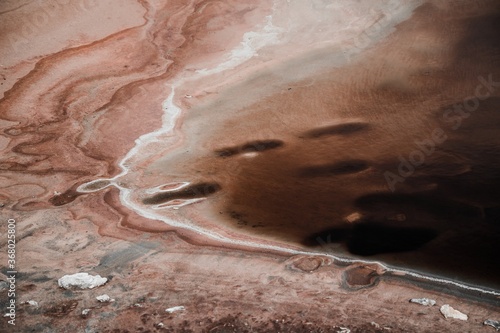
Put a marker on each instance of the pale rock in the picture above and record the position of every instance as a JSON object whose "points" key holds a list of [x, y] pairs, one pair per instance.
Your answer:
{"points": [[423, 301], [104, 298], [175, 309], [81, 280], [449, 312]]}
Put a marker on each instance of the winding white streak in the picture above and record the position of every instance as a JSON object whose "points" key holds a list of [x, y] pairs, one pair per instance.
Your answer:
{"points": [[160, 188], [180, 203], [252, 42]]}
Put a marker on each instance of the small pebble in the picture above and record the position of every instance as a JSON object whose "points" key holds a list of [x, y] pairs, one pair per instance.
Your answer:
{"points": [[423, 301], [344, 330], [32, 303], [175, 308], [493, 323], [104, 298]]}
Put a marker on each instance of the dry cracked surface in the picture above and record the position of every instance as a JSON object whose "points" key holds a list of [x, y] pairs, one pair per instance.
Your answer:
{"points": [[250, 166]]}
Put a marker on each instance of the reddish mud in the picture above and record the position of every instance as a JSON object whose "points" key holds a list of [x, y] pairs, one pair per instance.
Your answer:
{"points": [[243, 159]]}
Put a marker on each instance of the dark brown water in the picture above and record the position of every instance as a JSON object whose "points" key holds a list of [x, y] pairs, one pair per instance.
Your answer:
{"points": [[395, 156]]}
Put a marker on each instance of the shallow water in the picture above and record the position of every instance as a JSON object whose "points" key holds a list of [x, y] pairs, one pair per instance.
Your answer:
{"points": [[393, 155]]}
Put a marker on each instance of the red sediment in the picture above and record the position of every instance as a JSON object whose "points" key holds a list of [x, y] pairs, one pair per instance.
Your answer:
{"points": [[80, 117], [281, 160]]}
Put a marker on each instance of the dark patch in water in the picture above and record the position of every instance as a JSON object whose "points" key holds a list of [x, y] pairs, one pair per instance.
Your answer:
{"points": [[340, 129], [370, 239], [249, 147], [226, 152], [199, 190], [339, 168]]}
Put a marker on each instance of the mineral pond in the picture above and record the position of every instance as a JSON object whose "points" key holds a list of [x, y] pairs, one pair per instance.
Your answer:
{"points": [[250, 166]]}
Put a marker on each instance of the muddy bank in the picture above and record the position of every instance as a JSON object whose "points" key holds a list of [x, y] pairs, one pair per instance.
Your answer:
{"points": [[307, 166]]}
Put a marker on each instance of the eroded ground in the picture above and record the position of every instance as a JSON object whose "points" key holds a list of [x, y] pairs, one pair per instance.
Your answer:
{"points": [[286, 166]]}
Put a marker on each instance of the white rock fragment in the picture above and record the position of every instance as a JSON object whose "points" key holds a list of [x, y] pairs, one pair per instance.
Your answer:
{"points": [[423, 301], [449, 312], [81, 280], [104, 298], [32, 303], [344, 330], [175, 308], [493, 323], [85, 312]]}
